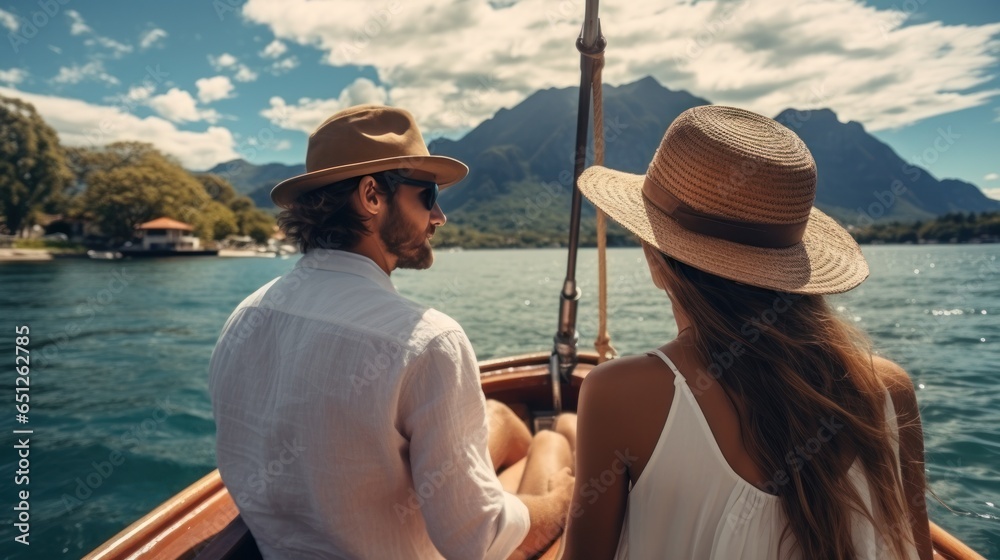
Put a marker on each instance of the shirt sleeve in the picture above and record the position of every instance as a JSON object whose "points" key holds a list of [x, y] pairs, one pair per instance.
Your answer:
{"points": [[443, 415]]}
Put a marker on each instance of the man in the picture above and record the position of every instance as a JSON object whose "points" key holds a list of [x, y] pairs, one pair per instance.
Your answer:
{"points": [[350, 420]]}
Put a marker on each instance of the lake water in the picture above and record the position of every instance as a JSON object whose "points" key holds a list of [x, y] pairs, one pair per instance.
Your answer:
{"points": [[120, 350]]}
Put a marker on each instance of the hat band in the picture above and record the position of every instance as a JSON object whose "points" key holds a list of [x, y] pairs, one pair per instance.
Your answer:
{"points": [[768, 236]]}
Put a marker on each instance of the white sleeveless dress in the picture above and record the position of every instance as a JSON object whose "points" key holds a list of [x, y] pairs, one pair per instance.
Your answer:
{"points": [[689, 504]]}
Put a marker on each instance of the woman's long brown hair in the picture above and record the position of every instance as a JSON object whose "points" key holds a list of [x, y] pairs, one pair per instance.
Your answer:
{"points": [[811, 400]]}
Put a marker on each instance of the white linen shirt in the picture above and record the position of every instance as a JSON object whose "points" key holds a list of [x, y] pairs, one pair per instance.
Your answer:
{"points": [[351, 423]]}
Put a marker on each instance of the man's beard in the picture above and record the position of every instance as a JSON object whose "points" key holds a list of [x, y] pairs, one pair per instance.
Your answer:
{"points": [[410, 248]]}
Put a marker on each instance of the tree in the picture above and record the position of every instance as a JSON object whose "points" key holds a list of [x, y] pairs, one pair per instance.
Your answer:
{"points": [[242, 204], [215, 221], [129, 183], [218, 188], [32, 163], [251, 220], [256, 223]]}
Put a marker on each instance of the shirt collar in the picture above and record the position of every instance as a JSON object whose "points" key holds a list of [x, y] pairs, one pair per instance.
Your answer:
{"points": [[348, 263]]}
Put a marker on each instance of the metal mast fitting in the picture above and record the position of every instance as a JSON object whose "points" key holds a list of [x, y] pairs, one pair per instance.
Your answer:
{"points": [[590, 43]]}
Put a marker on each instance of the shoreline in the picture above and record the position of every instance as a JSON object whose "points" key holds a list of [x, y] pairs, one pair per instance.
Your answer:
{"points": [[8, 255], [35, 255]]}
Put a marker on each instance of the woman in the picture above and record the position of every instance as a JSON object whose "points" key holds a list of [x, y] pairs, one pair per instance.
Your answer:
{"points": [[766, 429]]}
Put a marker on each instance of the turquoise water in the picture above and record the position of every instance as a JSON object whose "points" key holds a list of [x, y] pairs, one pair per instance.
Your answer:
{"points": [[122, 420]]}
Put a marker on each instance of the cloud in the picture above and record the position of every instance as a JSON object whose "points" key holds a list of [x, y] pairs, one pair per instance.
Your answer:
{"points": [[284, 65], [258, 142], [177, 105], [152, 37], [79, 27], [463, 63], [244, 74], [307, 114], [13, 76], [139, 93], [226, 61], [214, 89], [117, 49], [274, 49], [991, 177], [9, 20], [992, 193], [93, 70], [85, 124]]}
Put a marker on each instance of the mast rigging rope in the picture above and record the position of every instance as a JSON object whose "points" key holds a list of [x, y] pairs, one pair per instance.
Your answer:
{"points": [[602, 343]]}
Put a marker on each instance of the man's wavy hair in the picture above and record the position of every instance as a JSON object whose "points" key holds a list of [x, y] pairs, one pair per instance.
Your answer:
{"points": [[323, 218]]}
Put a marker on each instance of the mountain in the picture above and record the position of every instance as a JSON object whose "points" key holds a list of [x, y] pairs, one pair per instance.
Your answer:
{"points": [[862, 180], [256, 181], [534, 140], [521, 162]]}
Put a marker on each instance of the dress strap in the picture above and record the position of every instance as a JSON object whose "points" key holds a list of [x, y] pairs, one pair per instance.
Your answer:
{"points": [[678, 378]]}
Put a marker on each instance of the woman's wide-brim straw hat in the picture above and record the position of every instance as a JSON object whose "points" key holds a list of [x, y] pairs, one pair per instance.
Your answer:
{"points": [[362, 140], [731, 192]]}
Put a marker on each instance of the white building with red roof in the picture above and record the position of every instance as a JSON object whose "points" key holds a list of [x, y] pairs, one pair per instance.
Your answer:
{"points": [[168, 234]]}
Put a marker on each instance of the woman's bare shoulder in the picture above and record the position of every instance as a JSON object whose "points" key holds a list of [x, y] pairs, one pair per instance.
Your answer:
{"points": [[899, 383], [623, 375], [627, 386], [623, 404]]}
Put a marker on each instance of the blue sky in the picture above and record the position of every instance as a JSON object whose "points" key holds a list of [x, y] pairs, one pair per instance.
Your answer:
{"points": [[211, 80]]}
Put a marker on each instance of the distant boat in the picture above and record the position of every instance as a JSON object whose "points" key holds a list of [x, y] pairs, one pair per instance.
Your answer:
{"points": [[252, 253], [104, 255], [243, 246]]}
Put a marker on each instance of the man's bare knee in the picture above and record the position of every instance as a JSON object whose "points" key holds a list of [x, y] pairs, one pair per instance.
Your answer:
{"points": [[566, 425], [493, 404], [566, 417], [499, 410], [547, 441]]}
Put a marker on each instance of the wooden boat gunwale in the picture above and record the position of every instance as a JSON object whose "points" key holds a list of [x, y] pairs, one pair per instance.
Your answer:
{"points": [[202, 522]]}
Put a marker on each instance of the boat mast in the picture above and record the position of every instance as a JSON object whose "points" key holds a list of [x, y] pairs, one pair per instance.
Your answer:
{"points": [[590, 43]]}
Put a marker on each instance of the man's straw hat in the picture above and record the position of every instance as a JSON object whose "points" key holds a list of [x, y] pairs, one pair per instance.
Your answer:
{"points": [[731, 193], [363, 140]]}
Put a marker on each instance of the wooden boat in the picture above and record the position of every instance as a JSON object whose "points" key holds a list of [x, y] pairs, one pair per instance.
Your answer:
{"points": [[202, 521]]}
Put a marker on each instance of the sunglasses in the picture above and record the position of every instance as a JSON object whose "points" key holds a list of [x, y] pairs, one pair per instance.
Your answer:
{"points": [[428, 195]]}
